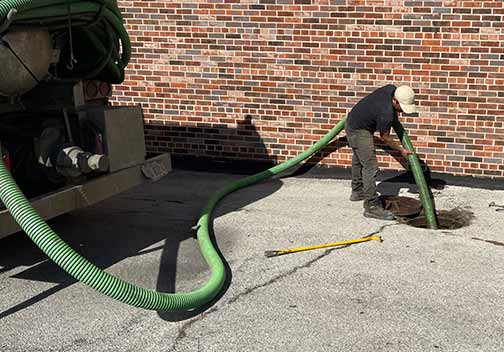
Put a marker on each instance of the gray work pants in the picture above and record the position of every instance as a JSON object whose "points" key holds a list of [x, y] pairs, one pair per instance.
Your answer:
{"points": [[364, 163]]}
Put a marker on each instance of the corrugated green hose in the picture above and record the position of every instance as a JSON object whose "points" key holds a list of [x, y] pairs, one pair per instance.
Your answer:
{"points": [[83, 270], [425, 198]]}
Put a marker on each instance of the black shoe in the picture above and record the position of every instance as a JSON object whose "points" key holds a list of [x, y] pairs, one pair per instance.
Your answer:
{"points": [[356, 196], [377, 212]]}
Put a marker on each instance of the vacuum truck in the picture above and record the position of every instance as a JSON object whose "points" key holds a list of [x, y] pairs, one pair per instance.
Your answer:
{"points": [[63, 142]]}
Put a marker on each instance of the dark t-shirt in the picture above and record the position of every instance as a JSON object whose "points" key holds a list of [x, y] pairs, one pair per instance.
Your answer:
{"points": [[374, 112]]}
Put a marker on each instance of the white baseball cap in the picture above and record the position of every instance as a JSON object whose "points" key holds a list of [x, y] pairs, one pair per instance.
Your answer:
{"points": [[406, 98]]}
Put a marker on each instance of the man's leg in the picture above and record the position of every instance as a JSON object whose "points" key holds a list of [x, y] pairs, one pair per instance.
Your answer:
{"points": [[366, 153], [357, 184], [365, 150]]}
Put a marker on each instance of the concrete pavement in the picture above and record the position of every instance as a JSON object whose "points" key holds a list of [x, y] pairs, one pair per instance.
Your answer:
{"points": [[419, 290]]}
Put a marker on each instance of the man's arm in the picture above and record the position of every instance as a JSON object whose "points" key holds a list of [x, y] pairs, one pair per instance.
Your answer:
{"points": [[388, 140]]}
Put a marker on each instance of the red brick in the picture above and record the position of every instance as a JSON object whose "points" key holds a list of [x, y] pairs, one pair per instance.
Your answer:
{"points": [[296, 73]]}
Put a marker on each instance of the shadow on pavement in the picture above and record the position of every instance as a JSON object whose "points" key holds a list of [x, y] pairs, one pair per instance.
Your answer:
{"points": [[136, 222], [313, 161], [129, 224]]}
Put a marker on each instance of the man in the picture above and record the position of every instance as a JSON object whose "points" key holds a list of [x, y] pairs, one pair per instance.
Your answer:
{"points": [[375, 112]]}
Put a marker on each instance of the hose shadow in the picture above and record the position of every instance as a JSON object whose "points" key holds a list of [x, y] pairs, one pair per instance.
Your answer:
{"points": [[153, 219], [244, 139], [136, 223], [19, 251], [167, 284]]}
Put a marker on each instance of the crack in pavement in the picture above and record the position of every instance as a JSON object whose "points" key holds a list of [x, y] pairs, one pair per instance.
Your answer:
{"points": [[183, 329], [182, 334]]}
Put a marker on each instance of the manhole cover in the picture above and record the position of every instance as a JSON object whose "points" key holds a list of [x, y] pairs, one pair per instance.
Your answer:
{"points": [[402, 206]]}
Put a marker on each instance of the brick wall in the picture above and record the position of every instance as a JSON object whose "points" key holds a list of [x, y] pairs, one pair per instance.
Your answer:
{"points": [[264, 79]]}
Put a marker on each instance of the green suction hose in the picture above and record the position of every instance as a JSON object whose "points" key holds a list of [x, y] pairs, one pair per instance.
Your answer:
{"points": [[86, 272], [423, 189]]}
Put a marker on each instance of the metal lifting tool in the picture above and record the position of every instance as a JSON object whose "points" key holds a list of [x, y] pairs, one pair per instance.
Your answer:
{"points": [[276, 253]]}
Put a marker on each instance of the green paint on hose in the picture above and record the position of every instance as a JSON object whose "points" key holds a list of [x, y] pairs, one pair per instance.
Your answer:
{"points": [[83, 270], [423, 189]]}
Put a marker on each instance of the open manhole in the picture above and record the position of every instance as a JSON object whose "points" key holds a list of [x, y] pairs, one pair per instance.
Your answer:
{"points": [[446, 219], [409, 211]]}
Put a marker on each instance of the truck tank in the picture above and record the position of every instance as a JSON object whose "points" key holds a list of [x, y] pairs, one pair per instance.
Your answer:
{"points": [[58, 129]]}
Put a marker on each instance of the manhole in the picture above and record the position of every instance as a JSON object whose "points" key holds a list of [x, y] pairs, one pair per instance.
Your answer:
{"points": [[402, 206], [446, 219]]}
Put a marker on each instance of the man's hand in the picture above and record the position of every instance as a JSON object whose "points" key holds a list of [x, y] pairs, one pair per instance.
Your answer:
{"points": [[387, 139], [405, 152]]}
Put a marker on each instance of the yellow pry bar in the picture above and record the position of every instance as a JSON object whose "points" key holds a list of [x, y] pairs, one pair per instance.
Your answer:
{"points": [[276, 253]]}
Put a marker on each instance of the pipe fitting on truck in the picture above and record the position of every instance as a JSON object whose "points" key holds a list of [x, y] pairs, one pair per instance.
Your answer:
{"points": [[65, 158], [73, 161]]}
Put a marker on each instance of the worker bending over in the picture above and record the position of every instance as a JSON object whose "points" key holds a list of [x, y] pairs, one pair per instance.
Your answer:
{"points": [[375, 112]]}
